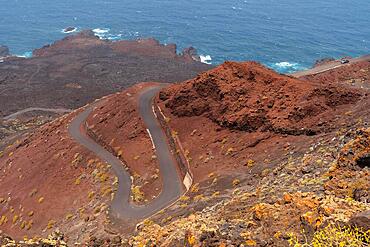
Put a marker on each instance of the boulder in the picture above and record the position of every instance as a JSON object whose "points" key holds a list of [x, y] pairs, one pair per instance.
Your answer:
{"points": [[364, 160], [361, 195], [361, 220], [69, 29]]}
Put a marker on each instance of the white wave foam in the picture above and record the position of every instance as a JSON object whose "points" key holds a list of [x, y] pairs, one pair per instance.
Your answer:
{"points": [[206, 59], [284, 65], [114, 37], [101, 32], [27, 54], [104, 33]]}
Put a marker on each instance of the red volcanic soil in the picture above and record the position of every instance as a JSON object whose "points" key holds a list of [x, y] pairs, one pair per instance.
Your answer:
{"points": [[48, 181], [245, 117], [249, 97], [357, 74], [236, 123], [117, 125]]}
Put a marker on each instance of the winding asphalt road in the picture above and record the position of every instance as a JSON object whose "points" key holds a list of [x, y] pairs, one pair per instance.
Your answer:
{"points": [[122, 207]]}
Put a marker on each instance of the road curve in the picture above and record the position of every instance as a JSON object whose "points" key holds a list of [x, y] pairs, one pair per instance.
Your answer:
{"points": [[122, 206], [57, 110]]}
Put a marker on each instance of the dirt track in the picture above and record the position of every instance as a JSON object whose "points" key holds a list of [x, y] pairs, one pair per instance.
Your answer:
{"points": [[14, 115]]}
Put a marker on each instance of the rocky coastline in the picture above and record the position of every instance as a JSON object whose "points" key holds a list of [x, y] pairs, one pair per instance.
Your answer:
{"points": [[86, 67], [4, 51]]}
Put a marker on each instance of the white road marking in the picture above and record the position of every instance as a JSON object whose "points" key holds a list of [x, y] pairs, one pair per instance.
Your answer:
{"points": [[155, 114], [151, 138], [160, 110]]}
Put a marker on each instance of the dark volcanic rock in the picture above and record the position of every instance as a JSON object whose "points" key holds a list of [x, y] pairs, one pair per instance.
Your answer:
{"points": [[361, 220], [4, 51], [80, 68], [191, 54], [323, 61], [69, 29], [364, 160]]}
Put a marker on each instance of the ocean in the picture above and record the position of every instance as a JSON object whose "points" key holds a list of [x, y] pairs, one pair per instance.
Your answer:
{"points": [[286, 35]]}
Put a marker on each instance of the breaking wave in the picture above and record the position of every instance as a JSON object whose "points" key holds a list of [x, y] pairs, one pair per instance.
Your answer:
{"points": [[206, 59], [286, 67], [104, 33], [27, 54], [101, 32]]}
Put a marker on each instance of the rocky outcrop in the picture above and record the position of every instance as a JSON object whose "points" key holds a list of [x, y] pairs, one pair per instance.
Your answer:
{"points": [[69, 29], [96, 67], [249, 97], [87, 40], [4, 51], [350, 174], [356, 153], [323, 61], [191, 54]]}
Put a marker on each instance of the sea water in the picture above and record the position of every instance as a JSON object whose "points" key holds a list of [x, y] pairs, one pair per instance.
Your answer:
{"points": [[286, 35]]}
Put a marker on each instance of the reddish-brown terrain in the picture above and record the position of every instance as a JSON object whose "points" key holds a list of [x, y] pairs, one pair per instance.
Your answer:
{"points": [[356, 75], [62, 186], [240, 113], [249, 97], [275, 160], [47, 182], [263, 149]]}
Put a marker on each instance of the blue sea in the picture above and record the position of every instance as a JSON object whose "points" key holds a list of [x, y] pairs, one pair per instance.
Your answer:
{"points": [[286, 35]]}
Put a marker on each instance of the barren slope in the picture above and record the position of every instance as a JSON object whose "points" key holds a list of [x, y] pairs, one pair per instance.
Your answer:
{"points": [[275, 159], [49, 182], [255, 184], [249, 97], [356, 75]]}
